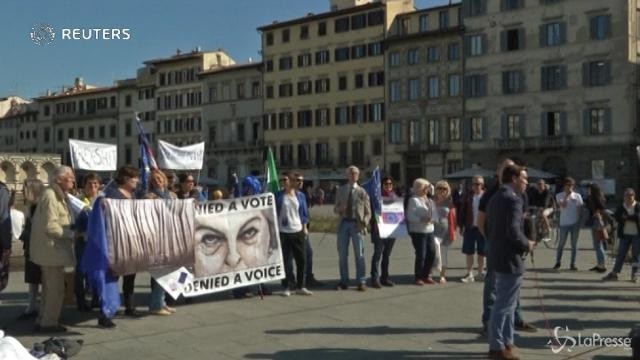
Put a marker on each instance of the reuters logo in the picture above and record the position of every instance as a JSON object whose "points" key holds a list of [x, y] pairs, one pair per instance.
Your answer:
{"points": [[42, 34]]}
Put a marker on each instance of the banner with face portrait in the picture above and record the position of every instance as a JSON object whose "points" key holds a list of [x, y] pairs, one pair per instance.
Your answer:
{"points": [[391, 222], [236, 244]]}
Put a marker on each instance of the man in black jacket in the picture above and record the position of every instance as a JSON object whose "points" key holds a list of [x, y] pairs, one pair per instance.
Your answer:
{"points": [[509, 243]]}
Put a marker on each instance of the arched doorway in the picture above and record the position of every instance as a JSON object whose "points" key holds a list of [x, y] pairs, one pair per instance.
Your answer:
{"points": [[30, 170], [47, 172], [7, 172]]}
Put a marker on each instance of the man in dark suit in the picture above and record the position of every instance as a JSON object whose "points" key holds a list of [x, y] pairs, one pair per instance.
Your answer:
{"points": [[508, 244]]}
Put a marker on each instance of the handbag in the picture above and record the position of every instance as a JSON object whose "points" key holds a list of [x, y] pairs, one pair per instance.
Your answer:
{"points": [[602, 234]]}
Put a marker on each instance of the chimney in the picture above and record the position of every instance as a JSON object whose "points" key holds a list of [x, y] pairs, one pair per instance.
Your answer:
{"points": [[178, 52]]}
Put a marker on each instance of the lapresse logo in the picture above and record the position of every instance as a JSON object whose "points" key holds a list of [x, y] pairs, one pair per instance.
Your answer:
{"points": [[44, 34], [569, 343]]}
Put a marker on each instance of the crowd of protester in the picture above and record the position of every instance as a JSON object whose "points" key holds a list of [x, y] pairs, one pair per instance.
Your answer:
{"points": [[497, 225]]}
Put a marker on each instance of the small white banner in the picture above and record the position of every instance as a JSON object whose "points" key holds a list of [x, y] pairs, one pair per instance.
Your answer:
{"points": [[173, 282], [180, 158], [93, 156], [392, 221]]}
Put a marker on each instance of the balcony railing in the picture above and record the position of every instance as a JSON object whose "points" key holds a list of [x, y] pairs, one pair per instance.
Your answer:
{"points": [[236, 145], [555, 142], [111, 112], [534, 143]]}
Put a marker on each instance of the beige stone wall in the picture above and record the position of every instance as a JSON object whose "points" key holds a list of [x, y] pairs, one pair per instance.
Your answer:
{"points": [[367, 132], [618, 95], [229, 150]]}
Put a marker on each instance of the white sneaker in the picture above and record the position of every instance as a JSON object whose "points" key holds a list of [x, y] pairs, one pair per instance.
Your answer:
{"points": [[468, 279], [303, 291], [286, 293]]}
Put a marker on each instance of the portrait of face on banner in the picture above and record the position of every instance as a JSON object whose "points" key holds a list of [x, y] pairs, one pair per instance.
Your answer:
{"points": [[235, 241]]}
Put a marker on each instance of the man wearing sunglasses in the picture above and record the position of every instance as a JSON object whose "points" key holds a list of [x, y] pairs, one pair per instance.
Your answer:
{"points": [[473, 240]]}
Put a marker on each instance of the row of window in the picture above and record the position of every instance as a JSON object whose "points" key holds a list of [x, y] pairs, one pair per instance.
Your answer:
{"points": [[169, 126], [424, 24], [235, 131], [343, 24], [323, 155], [595, 121], [323, 56], [342, 115], [145, 94], [320, 86], [479, 7], [432, 55], [552, 77], [177, 101], [415, 89], [179, 76], [550, 34], [240, 93], [92, 132], [89, 106]]}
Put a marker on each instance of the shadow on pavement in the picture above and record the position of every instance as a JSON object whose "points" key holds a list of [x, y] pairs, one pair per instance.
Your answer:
{"points": [[373, 330], [350, 354]]}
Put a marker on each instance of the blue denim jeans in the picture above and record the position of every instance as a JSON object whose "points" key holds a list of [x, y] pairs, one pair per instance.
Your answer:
{"points": [[348, 230], [564, 232], [489, 293], [501, 324], [424, 245], [156, 299], [627, 241], [598, 247]]}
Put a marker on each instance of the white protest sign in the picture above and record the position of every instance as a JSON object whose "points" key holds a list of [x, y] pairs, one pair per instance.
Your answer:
{"points": [[172, 281], [391, 223], [237, 244], [180, 158], [93, 156]]}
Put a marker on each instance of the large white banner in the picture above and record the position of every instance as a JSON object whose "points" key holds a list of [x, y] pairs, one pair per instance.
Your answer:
{"points": [[221, 244], [392, 221], [180, 158], [237, 244], [93, 156]]}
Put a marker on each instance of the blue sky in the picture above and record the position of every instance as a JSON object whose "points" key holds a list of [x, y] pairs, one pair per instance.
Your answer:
{"points": [[158, 28]]}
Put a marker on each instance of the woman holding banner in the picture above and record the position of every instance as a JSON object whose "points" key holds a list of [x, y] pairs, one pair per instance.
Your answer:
{"points": [[158, 190], [126, 183], [382, 246]]}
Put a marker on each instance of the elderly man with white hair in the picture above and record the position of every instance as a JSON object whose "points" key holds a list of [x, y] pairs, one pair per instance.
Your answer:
{"points": [[354, 210], [51, 246]]}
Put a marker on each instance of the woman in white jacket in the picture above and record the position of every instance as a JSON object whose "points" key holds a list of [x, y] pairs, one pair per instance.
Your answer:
{"points": [[420, 213]]}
